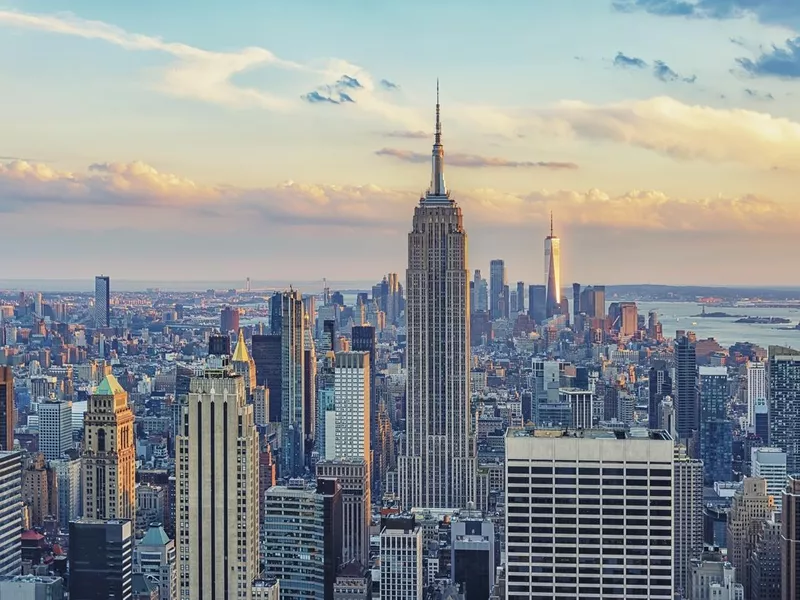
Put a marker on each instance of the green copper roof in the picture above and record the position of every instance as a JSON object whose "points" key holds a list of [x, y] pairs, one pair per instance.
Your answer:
{"points": [[109, 387], [155, 536]]}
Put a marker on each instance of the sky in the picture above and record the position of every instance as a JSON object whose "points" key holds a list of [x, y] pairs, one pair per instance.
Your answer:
{"points": [[211, 140]]}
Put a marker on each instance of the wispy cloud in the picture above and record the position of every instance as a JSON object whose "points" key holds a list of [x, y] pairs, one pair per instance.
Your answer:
{"points": [[626, 62], [388, 85], [138, 189], [758, 95], [316, 98], [778, 62], [473, 160], [663, 72], [784, 12], [411, 135]]}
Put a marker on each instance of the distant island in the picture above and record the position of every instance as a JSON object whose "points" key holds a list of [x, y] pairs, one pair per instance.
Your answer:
{"points": [[715, 315], [764, 320]]}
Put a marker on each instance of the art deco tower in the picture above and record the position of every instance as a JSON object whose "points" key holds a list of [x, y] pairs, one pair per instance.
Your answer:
{"points": [[552, 271], [438, 469], [109, 454]]}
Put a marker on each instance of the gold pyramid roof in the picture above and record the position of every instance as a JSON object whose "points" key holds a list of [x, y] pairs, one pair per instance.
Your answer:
{"points": [[240, 354]]}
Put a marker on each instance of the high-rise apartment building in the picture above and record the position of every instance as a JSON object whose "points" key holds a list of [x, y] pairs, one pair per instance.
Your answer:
{"points": [[352, 390], [783, 373], [10, 513], [688, 517], [303, 538], [790, 539], [438, 468], [217, 507], [401, 558], [750, 507], [756, 376], [7, 409], [589, 503], [102, 301], [155, 557], [770, 463], [716, 429], [108, 461], [660, 386], [55, 428], [293, 343], [552, 271], [364, 340], [497, 283], [685, 386], [100, 559]]}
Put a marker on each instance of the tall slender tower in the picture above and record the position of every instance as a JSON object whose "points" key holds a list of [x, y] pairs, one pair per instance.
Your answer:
{"points": [[293, 341], [102, 301], [6, 409], [552, 271], [438, 469], [109, 454]]}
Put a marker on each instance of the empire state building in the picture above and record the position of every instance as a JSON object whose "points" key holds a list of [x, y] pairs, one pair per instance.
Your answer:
{"points": [[438, 467]]}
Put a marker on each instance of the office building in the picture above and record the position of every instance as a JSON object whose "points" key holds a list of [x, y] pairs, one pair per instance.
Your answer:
{"points": [[552, 271], [39, 494], [102, 302], [242, 363], [593, 302], [580, 407], [688, 517], [363, 340], [685, 386], [472, 554], [401, 558], [714, 579], [155, 557], [267, 359], [750, 507], [100, 559], [790, 539], [497, 286], [609, 495], [7, 409], [55, 428], [10, 513], [716, 429], [293, 342], [352, 390], [303, 537], [481, 293], [537, 303], [70, 498], [354, 478], [576, 302], [108, 461], [756, 376], [765, 562], [628, 319], [770, 463], [520, 292], [438, 468], [326, 408], [353, 582], [32, 587], [261, 405], [660, 386], [309, 389], [783, 376], [217, 507], [228, 320]]}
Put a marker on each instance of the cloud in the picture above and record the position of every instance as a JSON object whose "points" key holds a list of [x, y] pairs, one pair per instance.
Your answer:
{"points": [[758, 95], [782, 12], [348, 82], [410, 135], [623, 61], [663, 72], [388, 85], [338, 93], [778, 62], [139, 189], [471, 160], [681, 131], [315, 98]]}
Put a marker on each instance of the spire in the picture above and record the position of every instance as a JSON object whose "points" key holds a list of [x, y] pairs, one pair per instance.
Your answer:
{"points": [[551, 224], [240, 354], [438, 187]]}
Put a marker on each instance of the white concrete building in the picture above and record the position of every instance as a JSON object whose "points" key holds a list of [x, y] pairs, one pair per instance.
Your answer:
{"points": [[352, 397], [401, 574], [55, 428], [756, 389], [770, 463], [580, 404], [10, 513], [596, 504], [154, 556]]}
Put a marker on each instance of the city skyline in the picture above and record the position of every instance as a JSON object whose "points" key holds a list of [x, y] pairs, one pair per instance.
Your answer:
{"points": [[229, 127]]}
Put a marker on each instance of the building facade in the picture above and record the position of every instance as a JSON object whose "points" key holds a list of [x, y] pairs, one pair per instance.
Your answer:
{"points": [[783, 373], [716, 429], [10, 513], [401, 556], [688, 517], [7, 409], [790, 539], [293, 341], [687, 410], [102, 301], [750, 508], [155, 557], [756, 389], [100, 559], [55, 428], [438, 468], [770, 463]]}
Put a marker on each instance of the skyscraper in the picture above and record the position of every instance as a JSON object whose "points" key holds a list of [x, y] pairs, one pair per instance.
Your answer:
{"points": [[783, 374], [217, 489], [497, 284], [537, 303], [770, 463], [751, 505], [243, 364], [109, 454], [481, 293], [660, 386], [102, 301], [439, 466], [685, 386], [688, 517], [100, 559], [267, 359], [756, 389], [576, 301], [228, 320], [609, 495], [716, 431], [10, 513], [790, 539], [401, 558], [293, 341], [6, 409], [154, 555], [55, 428], [520, 297], [552, 271]]}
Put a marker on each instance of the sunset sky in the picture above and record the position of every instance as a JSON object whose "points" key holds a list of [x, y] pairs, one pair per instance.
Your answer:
{"points": [[291, 140]]}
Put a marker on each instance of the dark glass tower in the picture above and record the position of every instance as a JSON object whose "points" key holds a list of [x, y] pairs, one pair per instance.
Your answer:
{"points": [[331, 492], [686, 405], [100, 559], [266, 355], [6, 409], [537, 303], [660, 386]]}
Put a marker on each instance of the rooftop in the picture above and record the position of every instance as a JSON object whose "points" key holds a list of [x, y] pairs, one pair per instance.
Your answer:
{"points": [[634, 433], [109, 387]]}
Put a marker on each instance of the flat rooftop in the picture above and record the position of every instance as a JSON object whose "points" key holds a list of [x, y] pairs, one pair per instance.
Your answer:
{"points": [[634, 433]]}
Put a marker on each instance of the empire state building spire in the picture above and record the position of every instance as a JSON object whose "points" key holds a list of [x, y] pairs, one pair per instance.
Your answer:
{"points": [[438, 188]]}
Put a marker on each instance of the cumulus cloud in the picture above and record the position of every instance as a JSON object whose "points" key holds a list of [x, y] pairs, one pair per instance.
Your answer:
{"points": [[682, 131], [626, 62], [472, 160], [135, 188], [315, 97], [778, 62], [784, 12]]}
